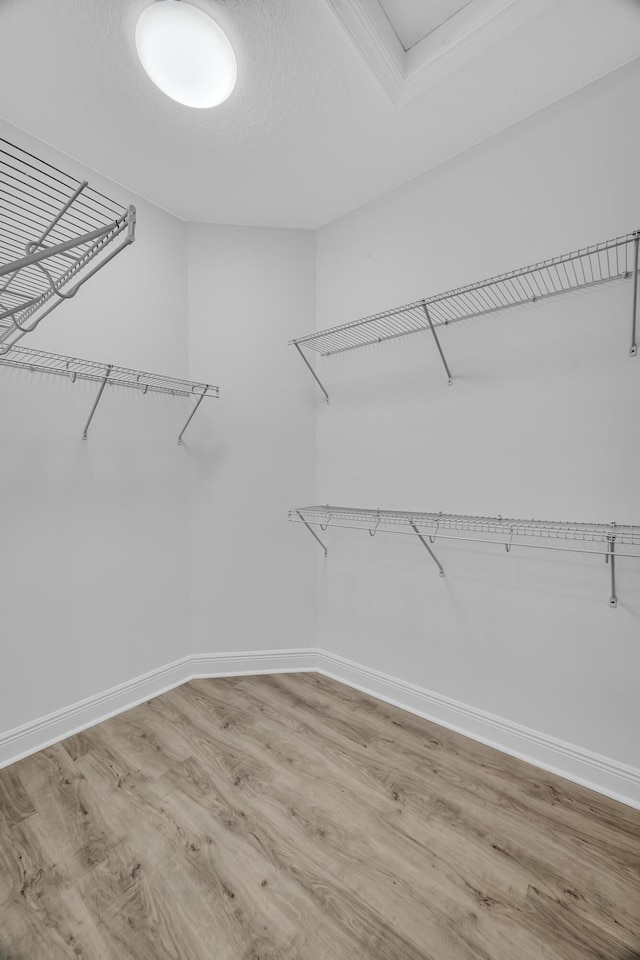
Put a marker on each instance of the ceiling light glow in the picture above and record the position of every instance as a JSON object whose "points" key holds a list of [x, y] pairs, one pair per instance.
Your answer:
{"points": [[186, 54]]}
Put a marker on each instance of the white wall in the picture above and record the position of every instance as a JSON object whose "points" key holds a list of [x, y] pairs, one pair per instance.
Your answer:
{"points": [[250, 291], [125, 552], [542, 421], [94, 558]]}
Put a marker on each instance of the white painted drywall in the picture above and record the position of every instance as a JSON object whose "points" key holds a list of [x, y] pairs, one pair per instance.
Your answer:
{"points": [[542, 421], [250, 291], [111, 544], [125, 553], [94, 560]]}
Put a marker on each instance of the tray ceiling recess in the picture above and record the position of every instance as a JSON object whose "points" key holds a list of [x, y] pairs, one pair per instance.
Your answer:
{"points": [[596, 539], [56, 232], [604, 262], [413, 20], [409, 47]]}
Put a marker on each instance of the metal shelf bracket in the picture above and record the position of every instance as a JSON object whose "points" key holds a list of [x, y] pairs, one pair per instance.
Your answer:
{"points": [[427, 548], [192, 414], [435, 337], [313, 373], [610, 558], [633, 349], [313, 533], [97, 400]]}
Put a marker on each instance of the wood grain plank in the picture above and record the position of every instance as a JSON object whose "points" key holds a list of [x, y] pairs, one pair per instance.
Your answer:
{"points": [[293, 818], [15, 805]]}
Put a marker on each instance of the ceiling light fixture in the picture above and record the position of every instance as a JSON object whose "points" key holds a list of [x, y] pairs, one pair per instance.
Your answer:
{"points": [[186, 54]]}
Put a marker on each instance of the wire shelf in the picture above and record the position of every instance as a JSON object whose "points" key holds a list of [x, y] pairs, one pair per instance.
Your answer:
{"points": [[107, 374], [599, 263], [429, 528], [55, 233], [433, 524], [72, 367]]}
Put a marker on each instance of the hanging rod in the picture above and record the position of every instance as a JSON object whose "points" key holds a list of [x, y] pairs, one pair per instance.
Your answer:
{"points": [[509, 533], [615, 259], [55, 233], [39, 361]]}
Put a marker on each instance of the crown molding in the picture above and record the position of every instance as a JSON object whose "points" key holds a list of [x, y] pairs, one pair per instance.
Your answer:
{"points": [[405, 74], [375, 40]]}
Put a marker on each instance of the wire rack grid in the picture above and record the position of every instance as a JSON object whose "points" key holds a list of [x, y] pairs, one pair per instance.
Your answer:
{"points": [[55, 233], [439, 524], [594, 539], [599, 263], [74, 368]]}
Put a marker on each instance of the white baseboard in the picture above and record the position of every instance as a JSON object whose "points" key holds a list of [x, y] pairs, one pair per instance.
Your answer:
{"points": [[43, 732], [602, 774], [38, 734], [204, 665]]}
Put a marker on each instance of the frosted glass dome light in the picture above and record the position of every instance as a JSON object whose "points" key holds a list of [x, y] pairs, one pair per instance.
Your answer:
{"points": [[186, 54]]}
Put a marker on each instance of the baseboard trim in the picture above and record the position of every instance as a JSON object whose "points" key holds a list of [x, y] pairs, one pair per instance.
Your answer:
{"points": [[602, 774], [606, 776], [252, 663], [41, 733]]}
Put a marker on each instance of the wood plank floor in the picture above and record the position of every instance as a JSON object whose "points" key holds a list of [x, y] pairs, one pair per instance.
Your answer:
{"points": [[292, 818]]}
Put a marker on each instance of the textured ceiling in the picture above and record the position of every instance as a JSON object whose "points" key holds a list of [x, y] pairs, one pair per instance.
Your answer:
{"points": [[308, 134]]}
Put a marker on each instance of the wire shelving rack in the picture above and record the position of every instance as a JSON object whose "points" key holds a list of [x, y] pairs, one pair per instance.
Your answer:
{"points": [[40, 361], [615, 259], [597, 539], [55, 233]]}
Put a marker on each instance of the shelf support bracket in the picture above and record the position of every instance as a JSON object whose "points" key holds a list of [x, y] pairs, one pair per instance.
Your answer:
{"points": [[435, 337], [192, 414], [633, 349], [611, 560], [313, 373], [313, 533], [97, 401], [427, 548]]}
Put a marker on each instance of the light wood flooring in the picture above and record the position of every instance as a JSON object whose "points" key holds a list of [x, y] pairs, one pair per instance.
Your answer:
{"points": [[292, 818]]}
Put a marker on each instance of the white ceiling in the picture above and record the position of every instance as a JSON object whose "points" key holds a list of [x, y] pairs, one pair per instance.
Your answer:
{"points": [[414, 19], [309, 133]]}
